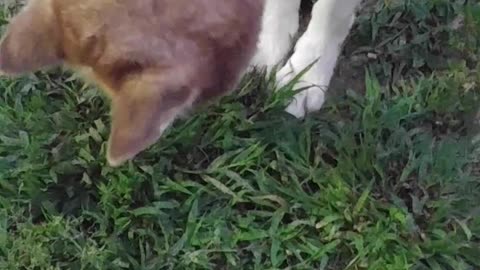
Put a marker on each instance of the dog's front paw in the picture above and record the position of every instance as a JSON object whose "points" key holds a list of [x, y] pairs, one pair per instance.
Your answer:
{"points": [[271, 52], [309, 100], [279, 28], [313, 85]]}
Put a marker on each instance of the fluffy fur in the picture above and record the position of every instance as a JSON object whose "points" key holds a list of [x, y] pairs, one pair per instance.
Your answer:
{"points": [[157, 58], [154, 58]]}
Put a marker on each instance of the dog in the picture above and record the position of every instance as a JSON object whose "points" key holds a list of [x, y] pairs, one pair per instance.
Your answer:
{"points": [[155, 59], [315, 53]]}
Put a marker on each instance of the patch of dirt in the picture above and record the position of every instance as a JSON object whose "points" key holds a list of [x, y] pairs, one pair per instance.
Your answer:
{"points": [[350, 71]]}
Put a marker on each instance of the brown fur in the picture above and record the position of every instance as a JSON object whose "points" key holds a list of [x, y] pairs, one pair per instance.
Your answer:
{"points": [[154, 58]]}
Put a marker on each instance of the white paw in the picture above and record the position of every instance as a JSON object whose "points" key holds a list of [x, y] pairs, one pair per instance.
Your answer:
{"points": [[316, 53], [316, 56], [268, 58], [309, 100], [313, 83], [312, 95], [279, 27]]}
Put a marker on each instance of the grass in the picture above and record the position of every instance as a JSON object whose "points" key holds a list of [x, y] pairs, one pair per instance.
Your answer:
{"points": [[386, 176]]}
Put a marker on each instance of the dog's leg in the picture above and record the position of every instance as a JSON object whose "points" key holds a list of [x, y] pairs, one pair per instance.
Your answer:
{"points": [[320, 45], [279, 26]]}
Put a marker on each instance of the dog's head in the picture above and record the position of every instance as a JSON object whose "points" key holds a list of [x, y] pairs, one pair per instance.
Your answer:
{"points": [[154, 58]]}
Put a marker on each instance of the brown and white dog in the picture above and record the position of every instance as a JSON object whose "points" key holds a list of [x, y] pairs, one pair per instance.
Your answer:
{"points": [[154, 58], [157, 58]]}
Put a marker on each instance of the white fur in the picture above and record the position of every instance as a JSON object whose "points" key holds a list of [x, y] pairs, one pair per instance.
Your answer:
{"points": [[320, 44], [279, 26]]}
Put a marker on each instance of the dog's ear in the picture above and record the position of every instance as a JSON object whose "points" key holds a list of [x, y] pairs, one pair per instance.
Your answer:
{"points": [[140, 114], [31, 40]]}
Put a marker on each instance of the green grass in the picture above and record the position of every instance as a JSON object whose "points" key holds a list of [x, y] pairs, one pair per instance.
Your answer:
{"points": [[386, 179]]}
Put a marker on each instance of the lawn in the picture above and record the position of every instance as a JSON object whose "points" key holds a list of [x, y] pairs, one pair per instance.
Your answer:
{"points": [[386, 176]]}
